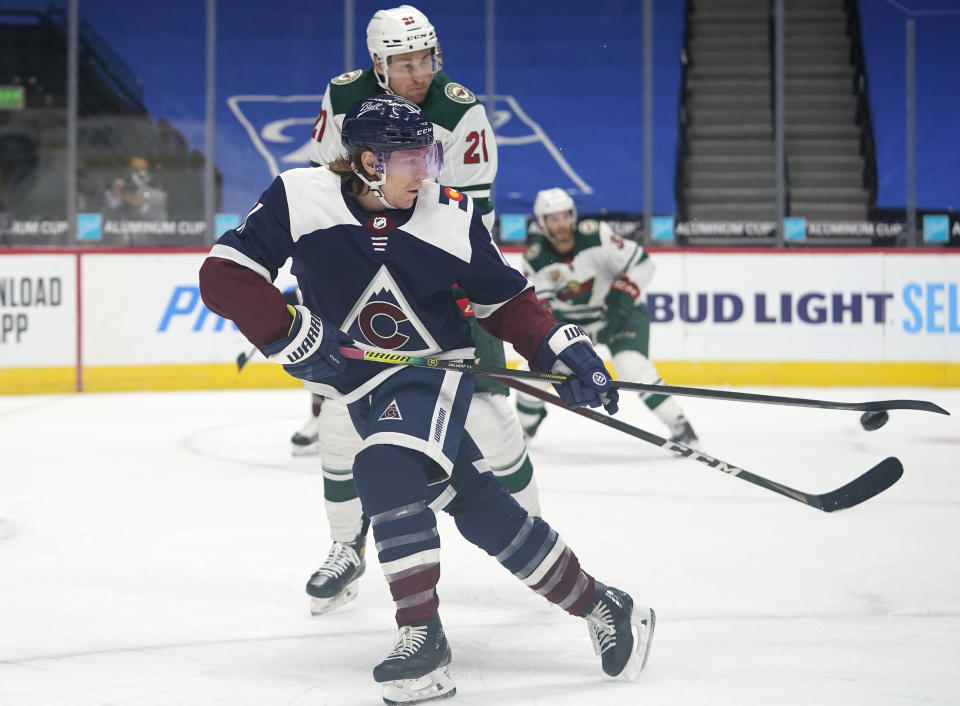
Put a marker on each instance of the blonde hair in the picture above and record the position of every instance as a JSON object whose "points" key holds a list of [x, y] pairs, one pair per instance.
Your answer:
{"points": [[343, 167]]}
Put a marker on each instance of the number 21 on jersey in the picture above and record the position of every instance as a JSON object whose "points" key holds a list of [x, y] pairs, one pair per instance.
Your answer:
{"points": [[476, 140], [319, 126]]}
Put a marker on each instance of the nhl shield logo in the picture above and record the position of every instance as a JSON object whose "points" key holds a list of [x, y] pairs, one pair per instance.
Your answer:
{"points": [[380, 222]]}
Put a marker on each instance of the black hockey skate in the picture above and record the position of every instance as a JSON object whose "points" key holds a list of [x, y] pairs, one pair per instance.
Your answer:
{"points": [[621, 631], [418, 668], [683, 433], [335, 582], [306, 440], [530, 419]]}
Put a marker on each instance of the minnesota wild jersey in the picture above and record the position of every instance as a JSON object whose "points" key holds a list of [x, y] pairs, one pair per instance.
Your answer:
{"points": [[575, 284], [459, 123], [488, 350]]}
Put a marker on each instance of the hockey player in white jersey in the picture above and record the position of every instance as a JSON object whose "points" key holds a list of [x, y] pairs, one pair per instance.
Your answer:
{"points": [[406, 61], [590, 276]]}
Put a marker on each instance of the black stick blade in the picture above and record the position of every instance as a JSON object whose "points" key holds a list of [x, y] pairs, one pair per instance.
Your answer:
{"points": [[864, 487], [920, 405], [241, 361]]}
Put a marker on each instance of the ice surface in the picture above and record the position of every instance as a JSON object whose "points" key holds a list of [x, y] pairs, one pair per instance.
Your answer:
{"points": [[157, 545]]}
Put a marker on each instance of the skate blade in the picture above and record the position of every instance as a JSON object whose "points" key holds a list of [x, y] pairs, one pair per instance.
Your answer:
{"points": [[642, 623], [319, 606], [436, 685], [692, 444]]}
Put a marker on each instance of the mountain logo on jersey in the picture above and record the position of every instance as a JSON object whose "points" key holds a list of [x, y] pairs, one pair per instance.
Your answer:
{"points": [[349, 77], [392, 412], [459, 94], [383, 318]]}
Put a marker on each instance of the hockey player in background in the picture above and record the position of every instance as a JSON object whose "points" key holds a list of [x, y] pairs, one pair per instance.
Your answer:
{"points": [[377, 245], [588, 275], [406, 61]]}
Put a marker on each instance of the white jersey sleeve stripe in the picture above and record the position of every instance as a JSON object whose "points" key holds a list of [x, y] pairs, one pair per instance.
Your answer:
{"points": [[227, 253]]}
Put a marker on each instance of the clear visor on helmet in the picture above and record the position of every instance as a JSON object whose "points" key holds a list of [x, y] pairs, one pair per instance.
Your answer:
{"points": [[413, 64], [416, 163]]}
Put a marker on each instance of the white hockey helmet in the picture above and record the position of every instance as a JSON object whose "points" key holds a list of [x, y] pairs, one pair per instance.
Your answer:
{"points": [[552, 201], [397, 31]]}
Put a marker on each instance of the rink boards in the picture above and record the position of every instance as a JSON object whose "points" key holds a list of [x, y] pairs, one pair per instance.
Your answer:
{"points": [[133, 320]]}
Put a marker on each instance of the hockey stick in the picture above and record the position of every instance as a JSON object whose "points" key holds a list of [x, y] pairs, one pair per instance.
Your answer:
{"points": [[490, 371], [864, 487], [244, 358]]}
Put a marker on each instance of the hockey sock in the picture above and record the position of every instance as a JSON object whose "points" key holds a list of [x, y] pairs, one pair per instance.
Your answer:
{"points": [[633, 365], [668, 412], [528, 547], [392, 483]]}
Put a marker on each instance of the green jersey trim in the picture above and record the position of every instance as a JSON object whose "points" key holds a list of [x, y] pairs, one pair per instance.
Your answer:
{"points": [[440, 108], [540, 254], [343, 95]]}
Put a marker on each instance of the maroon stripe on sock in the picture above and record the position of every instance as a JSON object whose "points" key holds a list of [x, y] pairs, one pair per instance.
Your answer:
{"points": [[567, 583], [418, 614], [547, 577], [415, 583], [583, 603]]}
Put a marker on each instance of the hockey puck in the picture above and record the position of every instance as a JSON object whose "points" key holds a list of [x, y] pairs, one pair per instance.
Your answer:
{"points": [[871, 421]]}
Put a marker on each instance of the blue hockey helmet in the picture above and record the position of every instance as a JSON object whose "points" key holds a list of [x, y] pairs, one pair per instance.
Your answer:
{"points": [[386, 123], [399, 135]]}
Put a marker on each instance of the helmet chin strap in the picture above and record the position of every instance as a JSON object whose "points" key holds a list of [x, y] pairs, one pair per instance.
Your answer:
{"points": [[374, 187], [382, 72]]}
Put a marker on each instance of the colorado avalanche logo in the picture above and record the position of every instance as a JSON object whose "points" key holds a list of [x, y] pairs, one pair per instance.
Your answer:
{"points": [[380, 323], [383, 318], [391, 412]]}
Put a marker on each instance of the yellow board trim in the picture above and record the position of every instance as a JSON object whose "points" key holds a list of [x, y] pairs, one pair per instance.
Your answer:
{"points": [[131, 378], [810, 374], [37, 381], [128, 378]]}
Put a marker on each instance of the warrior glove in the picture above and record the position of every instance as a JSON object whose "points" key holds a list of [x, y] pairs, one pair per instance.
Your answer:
{"points": [[567, 350], [310, 351]]}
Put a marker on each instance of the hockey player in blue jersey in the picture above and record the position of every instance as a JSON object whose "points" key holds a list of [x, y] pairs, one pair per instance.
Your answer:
{"points": [[376, 247], [405, 54]]}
